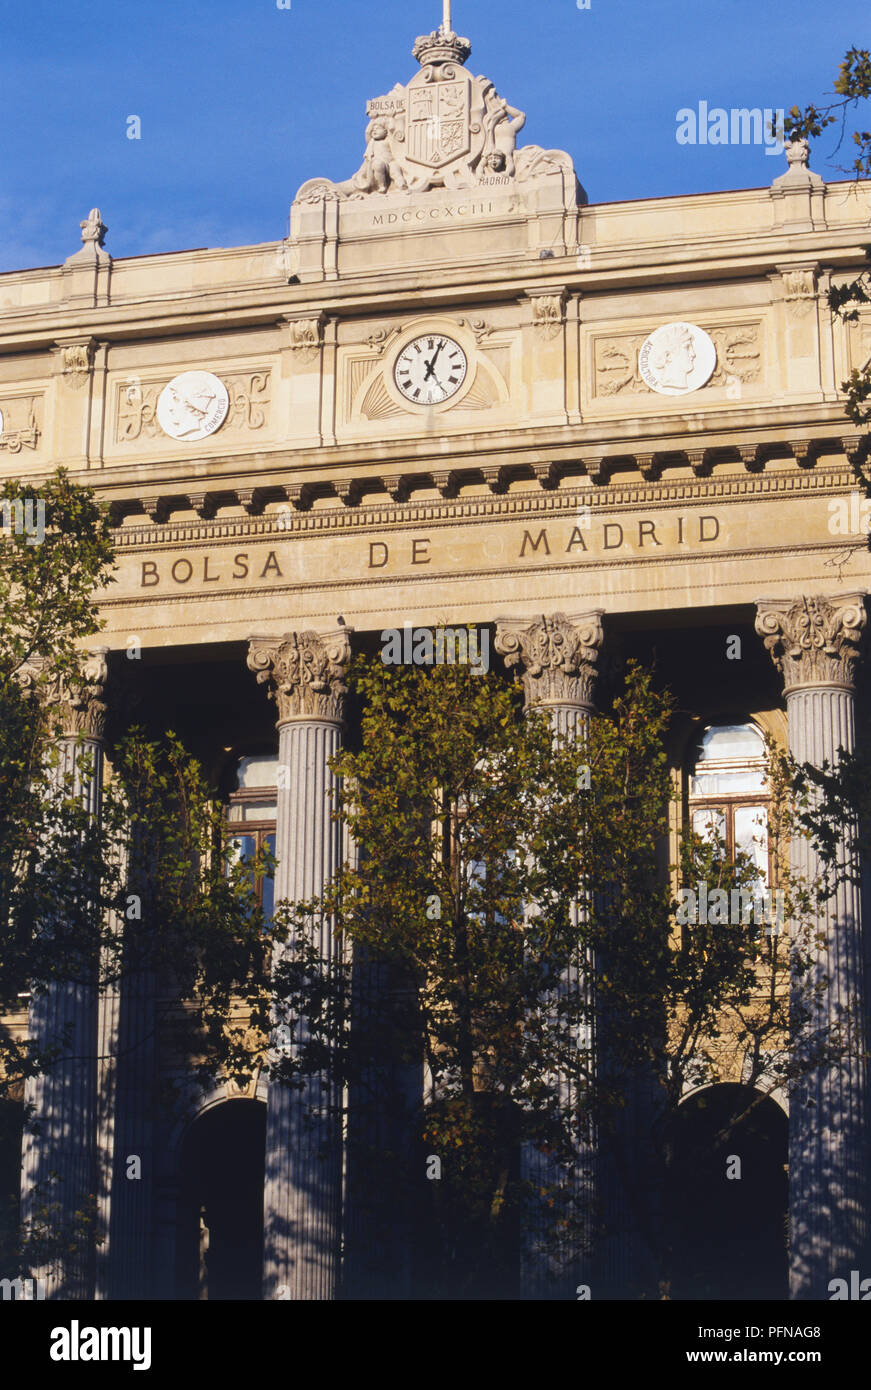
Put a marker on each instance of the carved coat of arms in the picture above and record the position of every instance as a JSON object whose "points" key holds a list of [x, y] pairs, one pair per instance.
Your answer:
{"points": [[444, 129], [438, 121]]}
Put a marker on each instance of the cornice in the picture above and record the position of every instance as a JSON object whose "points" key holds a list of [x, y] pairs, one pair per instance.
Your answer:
{"points": [[712, 256], [564, 449], [736, 487]]}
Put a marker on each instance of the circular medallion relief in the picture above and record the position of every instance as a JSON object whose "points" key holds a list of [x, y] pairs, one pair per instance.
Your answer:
{"points": [[192, 406], [677, 358], [430, 369]]}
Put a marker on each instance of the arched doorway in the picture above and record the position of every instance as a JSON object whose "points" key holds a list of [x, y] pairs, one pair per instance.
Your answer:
{"points": [[728, 1233], [220, 1246]]}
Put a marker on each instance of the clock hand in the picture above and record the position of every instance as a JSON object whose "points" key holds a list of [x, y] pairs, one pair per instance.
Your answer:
{"points": [[430, 366]]}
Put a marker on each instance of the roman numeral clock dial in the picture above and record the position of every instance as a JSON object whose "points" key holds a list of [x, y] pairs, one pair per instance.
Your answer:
{"points": [[430, 369]]}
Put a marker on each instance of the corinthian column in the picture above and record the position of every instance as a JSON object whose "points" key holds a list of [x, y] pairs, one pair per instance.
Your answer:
{"points": [[302, 1201], [555, 659], [59, 1175], [814, 643]]}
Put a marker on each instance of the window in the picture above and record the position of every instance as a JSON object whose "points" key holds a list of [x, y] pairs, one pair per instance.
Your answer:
{"points": [[728, 792], [481, 895], [251, 818]]}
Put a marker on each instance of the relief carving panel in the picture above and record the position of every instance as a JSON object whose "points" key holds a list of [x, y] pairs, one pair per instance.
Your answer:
{"points": [[20, 422], [136, 405], [739, 356], [859, 337]]}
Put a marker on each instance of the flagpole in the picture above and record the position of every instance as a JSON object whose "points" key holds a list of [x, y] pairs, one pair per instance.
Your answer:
{"points": [[446, 22]]}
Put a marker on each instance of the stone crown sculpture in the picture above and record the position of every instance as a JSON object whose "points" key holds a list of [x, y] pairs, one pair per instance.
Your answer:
{"points": [[441, 47]]}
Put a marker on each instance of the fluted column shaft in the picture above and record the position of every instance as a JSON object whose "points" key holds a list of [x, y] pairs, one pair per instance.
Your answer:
{"points": [[815, 644], [59, 1155], [127, 1099], [303, 1189], [555, 659], [570, 722]]}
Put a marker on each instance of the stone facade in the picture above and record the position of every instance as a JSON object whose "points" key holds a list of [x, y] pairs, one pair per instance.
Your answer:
{"points": [[326, 503]]}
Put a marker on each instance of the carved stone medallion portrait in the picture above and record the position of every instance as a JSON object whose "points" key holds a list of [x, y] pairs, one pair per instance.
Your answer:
{"points": [[677, 358], [192, 406]]}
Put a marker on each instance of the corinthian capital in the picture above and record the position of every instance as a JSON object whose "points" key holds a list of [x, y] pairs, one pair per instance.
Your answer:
{"points": [[555, 656], [78, 700], [813, 641], [305, 672]]}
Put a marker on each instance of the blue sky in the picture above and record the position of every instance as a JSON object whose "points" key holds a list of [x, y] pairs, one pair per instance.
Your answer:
{"points": [[241, 101]]}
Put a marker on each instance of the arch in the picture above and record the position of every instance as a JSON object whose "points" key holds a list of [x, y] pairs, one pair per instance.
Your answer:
{"points": [[727, 1195], [731, 738], [686, 731], [777, 1095], [226, 763], [194, 1103], [219, 1250]]}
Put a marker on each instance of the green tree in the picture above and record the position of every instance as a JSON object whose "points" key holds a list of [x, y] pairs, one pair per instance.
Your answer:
{"points": [[506, 906], [149, 886], [46, 589]]}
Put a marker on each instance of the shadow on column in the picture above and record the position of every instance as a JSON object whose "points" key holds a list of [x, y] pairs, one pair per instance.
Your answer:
{"points": [[385, 1171]]}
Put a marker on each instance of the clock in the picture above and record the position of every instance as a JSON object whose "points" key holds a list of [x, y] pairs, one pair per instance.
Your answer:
{"points": [[430, 369]]}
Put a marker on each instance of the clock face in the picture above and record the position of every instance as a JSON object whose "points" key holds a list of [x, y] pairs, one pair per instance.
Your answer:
{"points": [[430, 369]]}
